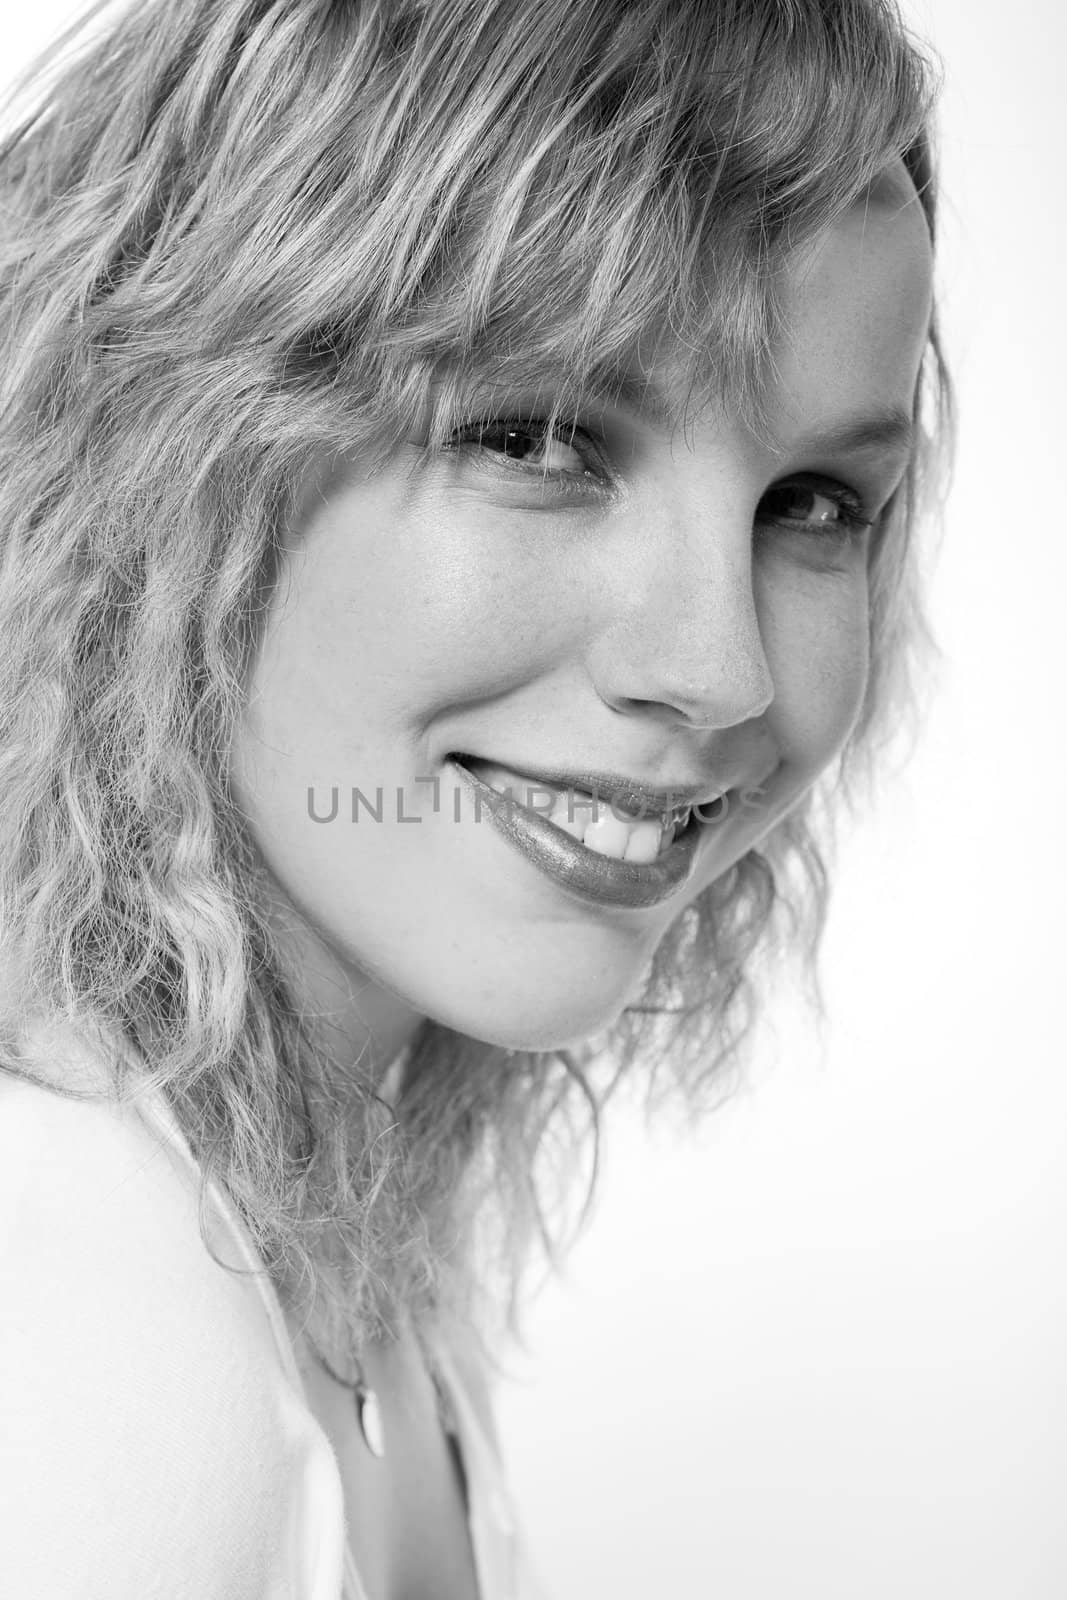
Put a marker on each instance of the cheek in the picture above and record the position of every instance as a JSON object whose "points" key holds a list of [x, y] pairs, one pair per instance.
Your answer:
{"points": [[816, 634], [456, 607], [393, 616], [381, 630]]}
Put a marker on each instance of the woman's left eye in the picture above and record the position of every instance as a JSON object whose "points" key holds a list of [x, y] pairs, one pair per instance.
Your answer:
{"points": [[815, 505]]}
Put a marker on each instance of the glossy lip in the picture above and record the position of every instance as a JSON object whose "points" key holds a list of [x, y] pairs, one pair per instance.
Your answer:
{"points": [[583, 872], [628, 794]]}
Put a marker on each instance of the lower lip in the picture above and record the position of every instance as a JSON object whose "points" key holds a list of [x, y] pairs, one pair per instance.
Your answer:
{"points": [[585, 873]]}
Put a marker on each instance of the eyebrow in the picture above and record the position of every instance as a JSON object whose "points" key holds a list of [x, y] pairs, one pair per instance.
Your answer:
{"points": [[891, 430], [643, 396]]}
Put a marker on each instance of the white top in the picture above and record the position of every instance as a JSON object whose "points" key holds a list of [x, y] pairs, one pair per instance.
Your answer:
{"points": [[156, 1442]]}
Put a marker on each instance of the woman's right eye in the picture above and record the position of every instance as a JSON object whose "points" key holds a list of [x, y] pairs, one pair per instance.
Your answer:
{"points": [[531, 443]]}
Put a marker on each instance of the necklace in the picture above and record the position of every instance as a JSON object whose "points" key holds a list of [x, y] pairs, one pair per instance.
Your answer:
{"points": [[368, 1407], [369, 1417]]}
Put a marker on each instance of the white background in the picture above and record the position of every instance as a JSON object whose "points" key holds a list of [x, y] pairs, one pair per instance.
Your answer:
{"points": [[819, 1350]]}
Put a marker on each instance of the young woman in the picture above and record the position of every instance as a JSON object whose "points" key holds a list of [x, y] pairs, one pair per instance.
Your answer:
{"points": [[458, 469]]}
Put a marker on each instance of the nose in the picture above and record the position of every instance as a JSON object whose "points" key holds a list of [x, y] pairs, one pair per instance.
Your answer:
{"points": [[683, 640]]}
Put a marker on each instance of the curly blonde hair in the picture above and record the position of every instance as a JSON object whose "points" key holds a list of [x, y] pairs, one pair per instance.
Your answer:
{"points": [[237, 234]]}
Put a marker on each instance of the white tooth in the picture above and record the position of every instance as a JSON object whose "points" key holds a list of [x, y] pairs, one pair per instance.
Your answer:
{"points": [[568, 806], [504, 782], [567, 814], [496, 777], [608, 836], [576, 829], [644, 842]]}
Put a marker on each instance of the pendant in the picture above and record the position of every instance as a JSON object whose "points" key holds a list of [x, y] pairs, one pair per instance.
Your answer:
{"points": [[369, 1417]]}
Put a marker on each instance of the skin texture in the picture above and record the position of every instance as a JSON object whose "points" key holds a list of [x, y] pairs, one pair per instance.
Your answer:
{"points": [[650, 619]]}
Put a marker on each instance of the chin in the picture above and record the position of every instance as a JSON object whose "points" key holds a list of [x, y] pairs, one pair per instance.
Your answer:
{"points": [[538, 1019]]}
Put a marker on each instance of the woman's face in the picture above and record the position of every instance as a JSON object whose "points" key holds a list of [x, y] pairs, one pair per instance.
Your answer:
{"points": [[687, 611]]}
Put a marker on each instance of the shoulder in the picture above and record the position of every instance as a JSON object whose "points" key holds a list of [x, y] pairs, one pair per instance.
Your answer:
{"points": [[152, 1444]]}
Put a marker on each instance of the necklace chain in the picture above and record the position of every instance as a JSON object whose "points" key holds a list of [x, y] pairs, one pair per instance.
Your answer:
{"points": [[368, 1407]]}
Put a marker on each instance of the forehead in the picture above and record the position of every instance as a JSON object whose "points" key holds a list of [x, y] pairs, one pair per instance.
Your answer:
{"points": [[878, 251], [856, 302], [855, 306]]}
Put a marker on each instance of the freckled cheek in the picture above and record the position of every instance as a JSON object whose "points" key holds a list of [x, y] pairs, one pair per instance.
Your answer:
{"points": [[470, 617], [819, 657]]}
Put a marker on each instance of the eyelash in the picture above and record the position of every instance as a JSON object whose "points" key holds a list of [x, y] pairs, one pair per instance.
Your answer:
{"points": [[535, 428], [853, 522]]}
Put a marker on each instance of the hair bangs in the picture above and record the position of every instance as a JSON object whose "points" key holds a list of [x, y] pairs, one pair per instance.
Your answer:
{"points": [[559, 213]]}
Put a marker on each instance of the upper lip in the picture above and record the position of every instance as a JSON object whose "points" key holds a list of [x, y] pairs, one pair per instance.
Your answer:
{"points": [[630, 793]]}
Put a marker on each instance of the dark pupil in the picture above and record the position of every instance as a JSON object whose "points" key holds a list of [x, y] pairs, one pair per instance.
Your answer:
{"points": [[783, 502], [516, 442]]}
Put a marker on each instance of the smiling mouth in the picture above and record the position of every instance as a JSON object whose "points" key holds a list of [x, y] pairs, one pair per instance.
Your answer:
{"points": [[599, 824], [594, 866]]}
